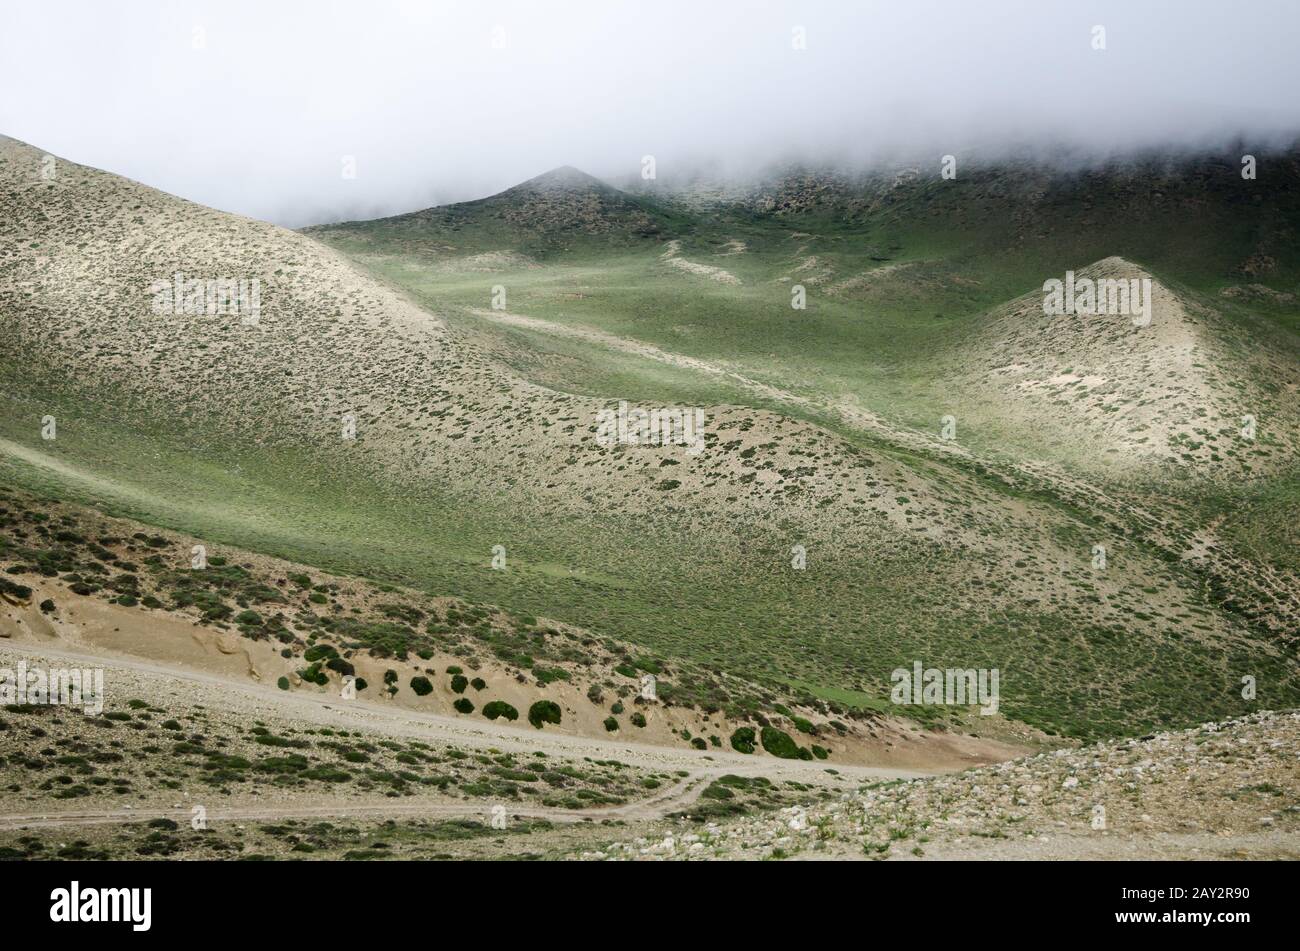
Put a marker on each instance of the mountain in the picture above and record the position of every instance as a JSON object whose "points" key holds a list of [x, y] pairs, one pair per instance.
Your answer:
{"points": [[551, 212], [380, 418]]}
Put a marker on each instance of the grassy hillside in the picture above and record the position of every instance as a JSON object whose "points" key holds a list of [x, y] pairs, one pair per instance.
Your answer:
{"points": [[476, 427]]}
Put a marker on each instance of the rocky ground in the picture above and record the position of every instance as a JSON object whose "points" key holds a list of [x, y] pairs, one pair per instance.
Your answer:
{"points": [[1222, 790]]}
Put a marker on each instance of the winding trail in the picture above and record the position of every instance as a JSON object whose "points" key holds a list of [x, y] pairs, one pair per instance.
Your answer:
{"points": [[699, 767], [673, 799]]}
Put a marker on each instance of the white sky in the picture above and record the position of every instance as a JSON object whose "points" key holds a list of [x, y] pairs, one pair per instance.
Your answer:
{"points": [[258, 120]]}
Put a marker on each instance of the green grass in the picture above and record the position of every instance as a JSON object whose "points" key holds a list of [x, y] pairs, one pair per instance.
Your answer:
{"points": [[682, 591]]}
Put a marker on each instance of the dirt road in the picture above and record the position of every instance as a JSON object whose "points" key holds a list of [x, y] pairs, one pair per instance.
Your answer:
{"points": [[252, 700]]}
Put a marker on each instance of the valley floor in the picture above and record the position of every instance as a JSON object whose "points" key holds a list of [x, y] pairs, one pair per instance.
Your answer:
{"points": [[462, 790]]}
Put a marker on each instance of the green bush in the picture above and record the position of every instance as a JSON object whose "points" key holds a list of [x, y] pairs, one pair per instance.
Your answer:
{"points": [[421, 686], [478, 683], [778, 743], [341, 666], [742, 741], [283, 683], [820, 752], [499, 708], [19, 591], [463, 705], [459, 683], [544, 711], [638, 719], [610, 724], [314, 675]]}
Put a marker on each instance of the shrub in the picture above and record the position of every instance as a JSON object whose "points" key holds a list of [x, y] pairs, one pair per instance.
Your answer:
{"points": [[544, 711], [638, 719], [595, 694], [699, 743], [283, 683], [778, 743], [803, 726], [463, 705], [611, 724], [341, 666], [47, 606], [820, 752], [421, 686], [249, 617], [499, 708], [314, 675], [478, 683], [19, 591], [459, 683], [742, 741]]}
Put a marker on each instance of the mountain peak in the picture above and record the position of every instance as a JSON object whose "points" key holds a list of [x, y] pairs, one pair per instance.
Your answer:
{"points": [[564, 178]]}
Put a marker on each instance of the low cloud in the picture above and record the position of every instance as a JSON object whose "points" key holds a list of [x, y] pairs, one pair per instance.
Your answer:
{"points": [[258, 108]]}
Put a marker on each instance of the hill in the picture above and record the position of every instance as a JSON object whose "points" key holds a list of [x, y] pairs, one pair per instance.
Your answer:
{"points": [[380, 419], [556, 211]]}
